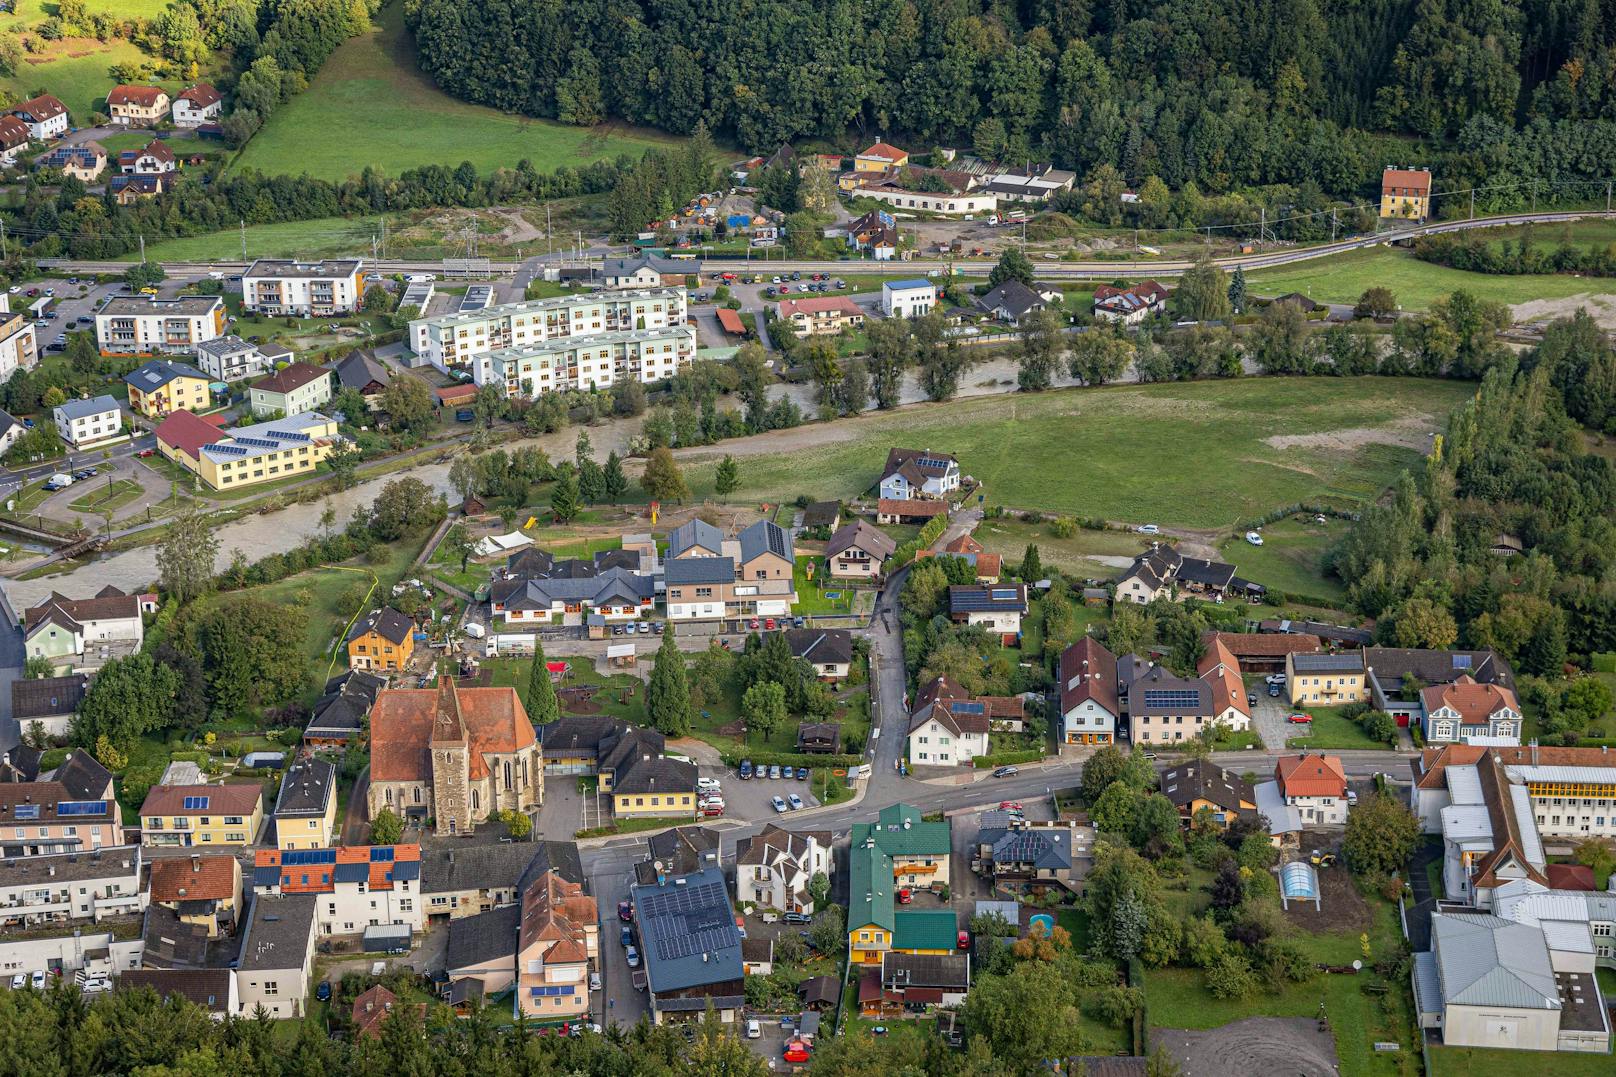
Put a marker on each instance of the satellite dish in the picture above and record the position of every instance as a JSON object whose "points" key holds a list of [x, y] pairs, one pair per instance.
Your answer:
{"points": [[1357, 966]]}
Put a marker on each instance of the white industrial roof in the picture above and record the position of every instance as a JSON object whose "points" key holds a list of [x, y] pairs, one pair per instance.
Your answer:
{"points": [[1466, 822], [1464, 785], [620, 650], [1568, 936], [1526, 822], [1528, 773], [1487, 961]]}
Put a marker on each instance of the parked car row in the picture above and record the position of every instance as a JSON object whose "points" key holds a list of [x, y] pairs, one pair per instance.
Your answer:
{"points": [[641, 628], [792, 802], [747, 771]]}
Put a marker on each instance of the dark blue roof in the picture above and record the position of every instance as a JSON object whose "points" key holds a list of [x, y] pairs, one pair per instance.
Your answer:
{"points": [[682, 570], [352, 873], [406, 869], [982, 599]]}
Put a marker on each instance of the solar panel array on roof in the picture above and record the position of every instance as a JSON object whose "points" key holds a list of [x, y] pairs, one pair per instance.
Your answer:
{"points": [[1461, 661], [704, 908], [290, 435], [81, 807], [196, 803], [262, 443], [230, 450], [1004, 594], [964, 706], [1172, 697], [381, 853], [301, 857]]}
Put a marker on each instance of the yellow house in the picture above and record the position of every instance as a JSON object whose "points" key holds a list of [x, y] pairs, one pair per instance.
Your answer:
{"points": [[137, 106], [306, 809], [192, 815], [881, 157], [163, 386], [228, 459], [1405, 193], [384, 640], [1327, 680], [654, 786], [898, 852]]}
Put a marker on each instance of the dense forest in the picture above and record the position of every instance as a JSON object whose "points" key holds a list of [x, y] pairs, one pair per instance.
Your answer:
{"points": [[1215, 93]]}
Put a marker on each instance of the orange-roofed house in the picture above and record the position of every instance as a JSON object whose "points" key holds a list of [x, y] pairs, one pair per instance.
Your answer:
{"points": [[1466, 708], [988, 566], [371, 1009], [1405, 193], [455, 754], [558, 938], [191, 815], [881, 157], [1316, 786], [1219, 668], [822, 314], [198, 105], [355, 886], [137, 106], [205, 891]]}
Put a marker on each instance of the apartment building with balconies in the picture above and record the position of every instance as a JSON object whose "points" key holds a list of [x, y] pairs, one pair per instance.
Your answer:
{"points": [[306, 289], [64, 887], [595, 362], [144, 325]]}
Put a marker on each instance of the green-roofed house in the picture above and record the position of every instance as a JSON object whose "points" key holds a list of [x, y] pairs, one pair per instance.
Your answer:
{"points": [[898, 850]]}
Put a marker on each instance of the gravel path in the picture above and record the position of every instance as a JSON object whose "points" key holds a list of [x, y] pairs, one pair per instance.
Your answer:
{"points": [[1292, 1046]]}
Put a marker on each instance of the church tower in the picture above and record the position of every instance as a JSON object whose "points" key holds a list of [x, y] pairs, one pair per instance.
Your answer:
{"points": [[451, 763]]}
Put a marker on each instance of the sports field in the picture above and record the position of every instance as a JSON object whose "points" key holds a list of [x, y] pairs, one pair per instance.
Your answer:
{"points": [[1194, 455], [370, 105], [1343, 278]]}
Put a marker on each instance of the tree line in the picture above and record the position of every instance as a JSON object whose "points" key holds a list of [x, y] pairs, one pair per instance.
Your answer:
{"points": [[1214, 93], [1483, 251]]}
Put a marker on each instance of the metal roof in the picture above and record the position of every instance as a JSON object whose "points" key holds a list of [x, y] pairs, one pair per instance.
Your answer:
{"points": [[1575, 775], [1467, 822], [1464, 785], [764, 537], [80, 409], [688, 929], [1427, 984], [1526, 822], [695, 532], [682, 570], [1282, 818], [1487, 961]]}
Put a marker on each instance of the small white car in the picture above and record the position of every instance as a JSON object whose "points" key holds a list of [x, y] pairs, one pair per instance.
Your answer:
{"points": [[709, 785], [19, 981], [97, 984], [779, 805], [1254, 538], [1274, 678], [1149, 529], [753, 1030], [795, 801], [38, 980], [594, 981]]}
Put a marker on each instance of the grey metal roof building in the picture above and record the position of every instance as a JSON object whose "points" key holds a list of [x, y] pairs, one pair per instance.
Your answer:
{"points": [[688, 928], [278, 932], [761, 538], [81, 409], [1482, 960], [483, 938], [689, 570], [341, 710], [307, 789], [696, 532]]}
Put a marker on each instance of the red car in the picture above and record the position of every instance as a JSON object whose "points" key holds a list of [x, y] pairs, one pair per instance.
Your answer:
{"points": [[769, 625], [1010, 805], [905, 897], [143, 453], [1300, 719], [964, 940], [753, 624]]}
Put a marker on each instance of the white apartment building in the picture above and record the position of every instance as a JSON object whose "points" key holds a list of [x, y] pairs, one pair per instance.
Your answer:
{"points": [[456, 341], [18, 345], [306, 289], [140, 325], [594, 362], [773, 870], [97, 953], [354, 887], [83, 423], [277, 955], [229, 358], [948, 203], [70, 886]]}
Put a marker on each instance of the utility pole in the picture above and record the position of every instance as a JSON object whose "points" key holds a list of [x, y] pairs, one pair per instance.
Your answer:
{"points": [[1607, 196], [1472, 203], [1262, 224], [3, 254], [1332, 224]]}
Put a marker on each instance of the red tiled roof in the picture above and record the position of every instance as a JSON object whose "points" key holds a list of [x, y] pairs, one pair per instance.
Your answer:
{"points": [[158, 149], [886, 150], [402, 721], [1220, 669], [1267, 644], [1311, 776], [1088, 671], [188, 432], [963, 544], [371, 1009], [291, 378], [454, 394], [557, 911], [41, 108], [731, 322], [202, 878], [1419, 180], [988, 565], [819, 304], [200, 96], [1571, 877], [321, 877], [232, 798], [891, 506], [1475, 703], [144, 96], [13, 133]]}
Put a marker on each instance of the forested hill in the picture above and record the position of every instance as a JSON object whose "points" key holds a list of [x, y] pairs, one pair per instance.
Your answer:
{"points": [[1224, 93]]}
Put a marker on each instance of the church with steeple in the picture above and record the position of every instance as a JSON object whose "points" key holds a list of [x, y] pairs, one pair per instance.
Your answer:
{"points": [[453, 756]]}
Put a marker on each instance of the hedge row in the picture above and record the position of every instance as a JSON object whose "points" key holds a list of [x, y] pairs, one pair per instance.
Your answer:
{"points": [[1002, 759]]}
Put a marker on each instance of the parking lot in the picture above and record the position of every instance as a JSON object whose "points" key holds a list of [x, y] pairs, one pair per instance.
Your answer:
{"points": [[754, 799], [1268, 717]]}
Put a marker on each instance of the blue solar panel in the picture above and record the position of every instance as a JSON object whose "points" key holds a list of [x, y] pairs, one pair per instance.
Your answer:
{"points": [[196, 803], [1163, 697], [27, 811], [309, 856], [380, 853], [967, 707], [81, 807]]}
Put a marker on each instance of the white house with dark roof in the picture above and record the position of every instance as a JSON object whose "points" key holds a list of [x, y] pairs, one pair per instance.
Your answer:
{"points": [[828, 650], [45, 116], [84, 424], [858, 551], [229, 358], [908, 298], [773, 869], [1088, 693], [918, 473], [198, 105], [277, 955], [947, 727], [1162, 571]]}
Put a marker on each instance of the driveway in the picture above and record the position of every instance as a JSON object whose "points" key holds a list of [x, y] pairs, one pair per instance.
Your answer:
{"points": [[1268, 716]]}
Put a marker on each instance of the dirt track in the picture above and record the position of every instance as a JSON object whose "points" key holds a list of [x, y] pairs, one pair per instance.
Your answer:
{"points": [[1288, 1046]]}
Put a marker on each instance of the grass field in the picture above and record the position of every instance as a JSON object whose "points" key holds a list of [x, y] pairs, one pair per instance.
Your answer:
{"points": [[1090, 554], [370, 105], [75, 69], [1329, 730], [316, 238], [1288, 559], [1479, 1062], [107, 498], [1196, 455], [1344, 277]]}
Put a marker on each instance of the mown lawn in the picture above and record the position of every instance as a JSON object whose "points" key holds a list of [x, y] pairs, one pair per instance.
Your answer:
{"points": [[371, 105], [1187, 455], [1343, 278], [305, 239], [1479, 1062], [1329, 730], [1089, 554], [1289, 558], [75, 69], [813, 596]]}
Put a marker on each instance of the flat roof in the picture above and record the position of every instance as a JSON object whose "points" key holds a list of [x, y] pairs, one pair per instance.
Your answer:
{"points": [[563, 344], [562, 302], [133, 305], [286, 267]]}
